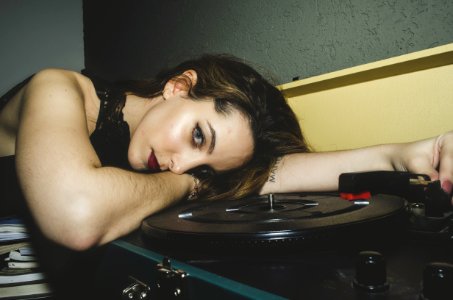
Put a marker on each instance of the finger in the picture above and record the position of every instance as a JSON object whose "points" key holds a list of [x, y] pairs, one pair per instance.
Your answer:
{"points": [[423, 158], [445, 144], [424, 167], [446, 172]]}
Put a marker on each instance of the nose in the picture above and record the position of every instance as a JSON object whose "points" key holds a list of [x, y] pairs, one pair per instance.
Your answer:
{"points": [[181, 163]]}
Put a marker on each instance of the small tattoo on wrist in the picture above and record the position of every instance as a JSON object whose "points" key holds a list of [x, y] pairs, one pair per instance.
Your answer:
{"points": [[273, 173]]}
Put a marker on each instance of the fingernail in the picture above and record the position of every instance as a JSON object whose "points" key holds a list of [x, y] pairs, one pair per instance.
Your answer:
{"points": [[447, 186]]}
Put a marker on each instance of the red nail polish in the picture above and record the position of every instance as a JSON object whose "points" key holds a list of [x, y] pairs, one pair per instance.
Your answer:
{"points": [[447, 186]]}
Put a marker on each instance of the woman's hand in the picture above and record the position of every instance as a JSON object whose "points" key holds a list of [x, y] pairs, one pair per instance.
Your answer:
{"points": [[433, 157]]}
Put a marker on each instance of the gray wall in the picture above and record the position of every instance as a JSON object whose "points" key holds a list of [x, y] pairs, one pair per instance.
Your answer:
{"points": [[285, 38], [36, 34], [292, 38]]}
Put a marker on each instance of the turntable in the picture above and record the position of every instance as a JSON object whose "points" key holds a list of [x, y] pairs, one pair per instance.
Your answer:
{"points": [[358, 244]]}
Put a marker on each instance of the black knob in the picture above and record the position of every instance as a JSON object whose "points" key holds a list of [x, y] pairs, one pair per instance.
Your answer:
{"points": [[438, 281], [371, 274], [437, 201]]}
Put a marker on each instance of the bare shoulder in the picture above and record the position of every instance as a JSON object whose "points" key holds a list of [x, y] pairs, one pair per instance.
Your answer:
{"points": [[59, 80], [59, 87], [49, 92], [53, 120]]}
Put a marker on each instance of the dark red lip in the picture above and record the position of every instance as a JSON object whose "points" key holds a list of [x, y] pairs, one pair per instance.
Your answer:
{"points": [[153, 164]]}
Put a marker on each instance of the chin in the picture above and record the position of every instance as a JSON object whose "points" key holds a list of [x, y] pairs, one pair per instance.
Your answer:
{"points": [[136, 164], [134, 159]]}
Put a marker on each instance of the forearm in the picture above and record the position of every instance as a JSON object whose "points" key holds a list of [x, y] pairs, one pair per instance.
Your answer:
{"points": [[320, 171], [128, 197], [92, 207]]}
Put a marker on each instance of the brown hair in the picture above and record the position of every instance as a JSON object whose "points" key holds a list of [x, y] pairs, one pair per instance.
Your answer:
{"points": [[233, 84]]}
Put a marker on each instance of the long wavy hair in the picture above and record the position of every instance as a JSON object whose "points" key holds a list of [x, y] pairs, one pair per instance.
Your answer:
{"points": [[233, 84]]}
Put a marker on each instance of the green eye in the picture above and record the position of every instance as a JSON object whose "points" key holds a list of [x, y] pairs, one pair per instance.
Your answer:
{"points": [[197, 136]]}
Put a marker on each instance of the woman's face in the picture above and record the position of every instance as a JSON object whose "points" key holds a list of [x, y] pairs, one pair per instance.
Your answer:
{"points": [[179, 134]]}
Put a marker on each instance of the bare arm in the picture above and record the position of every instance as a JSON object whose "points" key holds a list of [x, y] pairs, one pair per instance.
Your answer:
{"points": [[75, 200], [320, 171]]}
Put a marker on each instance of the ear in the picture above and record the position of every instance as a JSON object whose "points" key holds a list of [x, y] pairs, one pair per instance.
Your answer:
{"points": [[180, 84]]}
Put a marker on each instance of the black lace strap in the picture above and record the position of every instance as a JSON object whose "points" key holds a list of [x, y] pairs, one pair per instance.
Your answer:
{"points": [[112, 136]]}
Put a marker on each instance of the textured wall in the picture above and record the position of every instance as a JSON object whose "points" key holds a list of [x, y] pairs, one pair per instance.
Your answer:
{"points": [[288, 37], [39, 34]]}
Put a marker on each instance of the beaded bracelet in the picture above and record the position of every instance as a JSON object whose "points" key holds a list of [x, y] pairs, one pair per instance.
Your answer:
{"points": [[195, 192]]}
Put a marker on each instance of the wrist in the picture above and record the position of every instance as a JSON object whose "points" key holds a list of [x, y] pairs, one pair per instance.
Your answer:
{"points": [[395, 154]]}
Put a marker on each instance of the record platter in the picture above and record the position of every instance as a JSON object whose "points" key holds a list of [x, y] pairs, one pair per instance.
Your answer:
{"points": [[275, 219]]}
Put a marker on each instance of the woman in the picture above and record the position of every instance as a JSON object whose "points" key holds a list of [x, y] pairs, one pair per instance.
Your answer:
{"points": [[78, 143], [216, 118]]}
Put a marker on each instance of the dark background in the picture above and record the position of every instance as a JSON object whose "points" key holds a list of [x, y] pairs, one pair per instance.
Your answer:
{"points": [[283, 39]]}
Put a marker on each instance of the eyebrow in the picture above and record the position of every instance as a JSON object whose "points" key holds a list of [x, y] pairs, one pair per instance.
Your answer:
{"points": [[213, 137]]}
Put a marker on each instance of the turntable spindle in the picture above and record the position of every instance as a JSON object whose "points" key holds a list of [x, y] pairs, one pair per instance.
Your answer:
{"points": [[270, 199]]}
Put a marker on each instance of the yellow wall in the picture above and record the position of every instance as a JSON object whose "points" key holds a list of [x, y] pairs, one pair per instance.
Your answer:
{"points": [[394, 100]]}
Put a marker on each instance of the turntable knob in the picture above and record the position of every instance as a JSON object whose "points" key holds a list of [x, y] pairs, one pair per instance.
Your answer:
{"points": [[371, 274], [438, 281]]}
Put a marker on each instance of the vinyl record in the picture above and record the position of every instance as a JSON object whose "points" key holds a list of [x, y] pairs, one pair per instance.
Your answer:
{"points": [[274, 218]]}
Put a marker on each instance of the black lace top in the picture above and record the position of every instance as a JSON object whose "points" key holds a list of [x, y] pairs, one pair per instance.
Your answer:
{"points": [[111, 137], [110, 140]]}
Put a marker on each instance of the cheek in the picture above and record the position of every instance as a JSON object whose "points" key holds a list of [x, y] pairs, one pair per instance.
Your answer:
{"points": [[172, 135]]}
